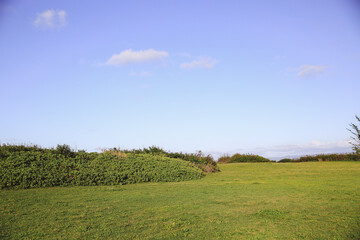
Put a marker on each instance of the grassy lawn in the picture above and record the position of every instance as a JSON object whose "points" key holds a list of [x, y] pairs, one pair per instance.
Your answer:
{"points": [[315, 200]]}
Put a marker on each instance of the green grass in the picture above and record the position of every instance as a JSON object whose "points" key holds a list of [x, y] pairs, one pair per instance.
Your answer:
{"points": [[313, 200]]}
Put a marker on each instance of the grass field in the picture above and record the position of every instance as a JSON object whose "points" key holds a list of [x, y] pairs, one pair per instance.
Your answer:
{"points": [[314, 200]]}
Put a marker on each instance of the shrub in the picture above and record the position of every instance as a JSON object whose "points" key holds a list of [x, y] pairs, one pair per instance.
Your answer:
{"points": [[224, 159], [247, 158], [65, 150], [204, 162], [285, 160], [238, 158], [31, 168]]}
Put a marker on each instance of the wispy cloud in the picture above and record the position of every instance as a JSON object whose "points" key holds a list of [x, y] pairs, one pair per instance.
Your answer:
{"points": [[134, 57], [200, 62], [139, 74], [296, 150], [62, 17], [50, 19], [307, 71], [314, 147]]}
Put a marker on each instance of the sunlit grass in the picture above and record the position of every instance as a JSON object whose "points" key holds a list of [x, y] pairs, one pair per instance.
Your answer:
{"points": [[317, 200]]}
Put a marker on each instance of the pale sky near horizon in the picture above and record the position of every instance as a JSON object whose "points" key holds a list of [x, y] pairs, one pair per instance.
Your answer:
{"points": [[275, 78]]}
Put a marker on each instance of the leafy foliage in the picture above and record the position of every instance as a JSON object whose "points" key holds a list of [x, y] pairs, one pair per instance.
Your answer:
{"points": [[224, 159], [284, 160], [356, 136], [65, 150], [30, 167], [325, 157], [238, 158], [205, 162], [329, 157]]}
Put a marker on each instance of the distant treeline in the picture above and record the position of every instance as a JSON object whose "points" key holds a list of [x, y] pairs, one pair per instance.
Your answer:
{"points": [[239, 158], [325, 157], [24, 166]]}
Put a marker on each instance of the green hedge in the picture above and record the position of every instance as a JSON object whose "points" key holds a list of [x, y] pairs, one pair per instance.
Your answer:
{"points": [[205, 162], [47, 167], [285, 160], [239, 158]]}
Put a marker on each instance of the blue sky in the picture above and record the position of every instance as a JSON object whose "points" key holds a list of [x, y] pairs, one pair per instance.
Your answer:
{"points": [[276, 78]]}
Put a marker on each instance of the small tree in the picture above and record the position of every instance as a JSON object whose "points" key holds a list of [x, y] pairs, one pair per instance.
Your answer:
{"points": [[355, 131], [64, 150]]}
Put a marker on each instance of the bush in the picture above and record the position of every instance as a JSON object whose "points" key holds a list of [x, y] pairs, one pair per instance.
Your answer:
{"points": [[224, 159], [238, 158], [65, 150], [247, 158], [285, 160], [30, 168], [204, 162]]}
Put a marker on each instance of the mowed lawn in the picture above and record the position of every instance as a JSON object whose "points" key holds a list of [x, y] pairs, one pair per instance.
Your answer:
{"points": [[317, 200]]}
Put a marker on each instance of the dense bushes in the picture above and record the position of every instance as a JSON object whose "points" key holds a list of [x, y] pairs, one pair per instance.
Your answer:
{"points": [[224, 159], [28, 167], [205, 162], [325, 157], [238, 158], [284, 160]]}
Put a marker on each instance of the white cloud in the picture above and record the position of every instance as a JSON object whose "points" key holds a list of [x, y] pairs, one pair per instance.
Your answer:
{"points": [[51, 19], [62, 17], [310, 70], [314, 147], [131, 57], [296, 150], [201, 62], [139, 74]]}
